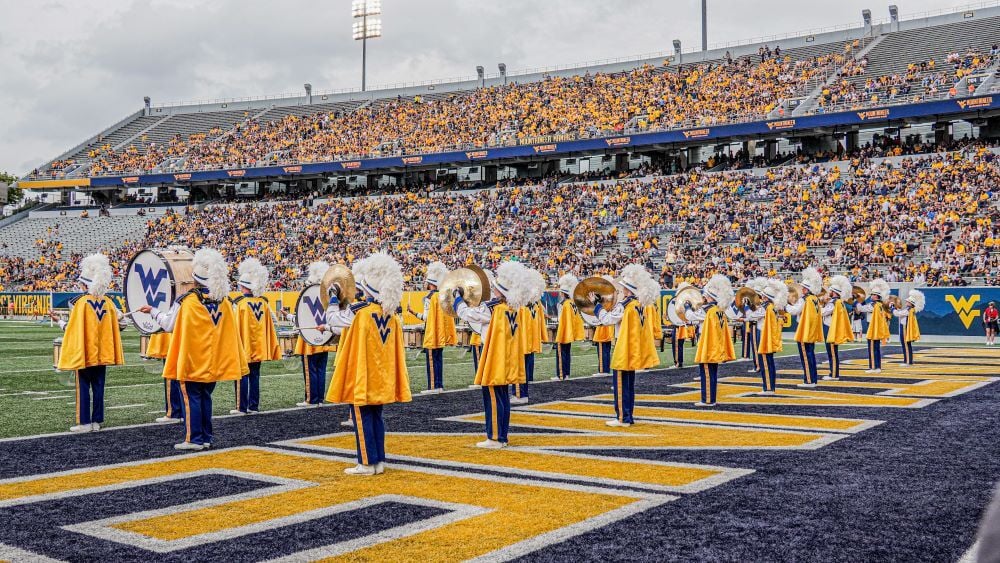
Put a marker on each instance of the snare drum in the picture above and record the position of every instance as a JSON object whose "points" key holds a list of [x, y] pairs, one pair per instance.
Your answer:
{"points": [[287, 341], [464, 336], [309, 314], [413, 336], [156, 277], [56, 353]]}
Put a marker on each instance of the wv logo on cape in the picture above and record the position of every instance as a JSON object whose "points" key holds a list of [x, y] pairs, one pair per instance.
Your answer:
{"points": [[382, 322], [98, 307], [213, 311], [257, 308], [512, 321]]}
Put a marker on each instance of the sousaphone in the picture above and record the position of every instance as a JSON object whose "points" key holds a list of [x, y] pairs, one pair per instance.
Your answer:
{"points": [[595, 284], [341, 277], [471, 280]]}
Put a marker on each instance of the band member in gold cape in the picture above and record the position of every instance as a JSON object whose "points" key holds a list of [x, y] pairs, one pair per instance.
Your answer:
{"points": [[569, 328], [838, 323], [909, 330], [502, 362], [92, 341], [205, 345], [371, 367], [878, 322], [531, 318], [634, 348], [439, 328], [774, 298], [257, 333], [810, 329], [314, 358], [715, 345]]}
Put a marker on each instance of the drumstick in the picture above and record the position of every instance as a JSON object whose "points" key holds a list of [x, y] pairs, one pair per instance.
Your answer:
{"points": [[312, 328]]}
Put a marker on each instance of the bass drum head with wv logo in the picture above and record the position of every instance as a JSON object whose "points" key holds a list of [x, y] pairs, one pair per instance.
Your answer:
{"points": [[310, 313], [156, 277]]}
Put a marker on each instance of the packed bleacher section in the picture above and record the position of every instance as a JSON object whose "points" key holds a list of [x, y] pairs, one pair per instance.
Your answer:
{"points": [[928, 218]]}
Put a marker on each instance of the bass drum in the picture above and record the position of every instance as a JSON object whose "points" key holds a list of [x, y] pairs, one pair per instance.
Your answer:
{"points": [[156, 277], [310, 313], [675, 319]]}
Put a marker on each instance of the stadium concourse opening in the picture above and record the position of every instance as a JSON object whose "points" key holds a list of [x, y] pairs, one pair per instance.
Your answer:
{"points": [[735, 304]]}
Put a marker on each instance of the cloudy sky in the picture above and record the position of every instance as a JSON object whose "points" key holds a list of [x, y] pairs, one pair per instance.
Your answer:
{"points": [[69, 68]]}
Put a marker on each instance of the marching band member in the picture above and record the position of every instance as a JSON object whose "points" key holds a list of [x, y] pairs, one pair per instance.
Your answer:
{"points": [[314, 358], [715, 346], [476, 342], [173, 405], [682, 333], [909, 330], [531, 337], [751, 331], [92, 341], [257, 333], [838, 323], [810, 329], [634, 348], [205, 344], [774, 294], [878, 325], [604, 335], [502, 361], [654, 320], [371, 367], [439, 328], [570, 327]]}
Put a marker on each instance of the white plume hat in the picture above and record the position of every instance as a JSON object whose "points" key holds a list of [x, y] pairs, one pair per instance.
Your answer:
{"points": [[812, 280], [436, 272], [841, 285], [211, 271], [383, 280], [513, 281], [567, 283], [253, 276], [95, 273], [538, 284], [648, 292], [879, 287], [777, 291], [916, 297], [720, 289], [316, 272], [633, 276], [757, 284]]}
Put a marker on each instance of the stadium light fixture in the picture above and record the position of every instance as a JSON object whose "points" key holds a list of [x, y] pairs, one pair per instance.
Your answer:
{"points": [[309, 93], [481, 73], [366, 26], [503, 72], [866, 15], [146, 102], [893, 13]]}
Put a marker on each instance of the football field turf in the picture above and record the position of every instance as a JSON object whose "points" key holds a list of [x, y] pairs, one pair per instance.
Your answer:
{"points": [[895, 466]]}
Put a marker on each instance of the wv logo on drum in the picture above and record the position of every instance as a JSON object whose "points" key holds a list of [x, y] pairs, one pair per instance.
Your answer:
{"points": [[316, 308], [150, 282], [964, 307], [98, 307], [257, 309], [382, 322]]}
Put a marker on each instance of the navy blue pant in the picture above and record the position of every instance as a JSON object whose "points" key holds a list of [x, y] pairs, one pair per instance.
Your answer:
{"points": [[750, 339], [477, 352], [709, 383], [603, 357], [173, 404], [369, 433], [807, 353], [623, 387], [874, 354], [198, 406], [314, 374], [907, 347], [679, 352], [833, 356], [496, 401], [90, 395], [435, 367], [520, 390], [768, 375], [248, 390], [563, 360]]}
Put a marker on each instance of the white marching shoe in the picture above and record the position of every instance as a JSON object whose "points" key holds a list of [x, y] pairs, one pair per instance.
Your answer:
{"points": [[806, 385], [303, 404], [491, 445], [361, 470], [752, 370], [81, 428], [617, 423], [237, 411], [95, 426], [380, 468], [349, 423], [432, 391], [879, 370], [767, 393], [828, 378], [519, 400], [189, 446], [166, 420], [701, 404]]}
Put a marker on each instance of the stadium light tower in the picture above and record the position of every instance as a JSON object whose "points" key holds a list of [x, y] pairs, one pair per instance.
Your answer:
{"points": [[366, 26], [502, 67], [704, 25], [481, 73]]}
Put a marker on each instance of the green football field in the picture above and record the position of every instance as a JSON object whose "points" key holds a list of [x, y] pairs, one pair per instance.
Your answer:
{"points": [[35, 399]]}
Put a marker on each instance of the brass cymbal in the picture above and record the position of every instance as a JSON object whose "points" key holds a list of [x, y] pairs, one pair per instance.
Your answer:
{"points": [[686, 293], [487, 290], [746, 294], [341, 276], [472, 283], [858, 294], [894, 301], [795, 292], [598, 285]]}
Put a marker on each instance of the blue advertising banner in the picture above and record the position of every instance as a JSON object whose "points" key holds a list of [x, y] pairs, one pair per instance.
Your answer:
{"points": [[927, 110], [956, 311]]}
